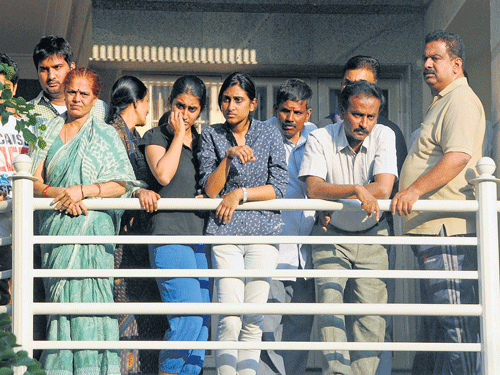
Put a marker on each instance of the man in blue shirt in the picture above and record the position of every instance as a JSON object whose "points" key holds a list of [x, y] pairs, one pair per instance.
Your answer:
{"points": [[292, 112]]}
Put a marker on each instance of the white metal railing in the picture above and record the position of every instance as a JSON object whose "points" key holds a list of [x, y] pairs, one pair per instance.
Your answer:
{"points": [[488, 309]]}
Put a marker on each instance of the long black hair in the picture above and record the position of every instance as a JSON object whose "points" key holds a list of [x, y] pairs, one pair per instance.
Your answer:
{"points": [[125, 91]]}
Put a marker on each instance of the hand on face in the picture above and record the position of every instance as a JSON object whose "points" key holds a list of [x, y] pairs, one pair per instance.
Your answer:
{"points": [[176, 124], [185, 111]]}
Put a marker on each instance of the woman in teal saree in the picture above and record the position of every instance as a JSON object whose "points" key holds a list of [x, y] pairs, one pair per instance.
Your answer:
{"points": [[84, 158]]}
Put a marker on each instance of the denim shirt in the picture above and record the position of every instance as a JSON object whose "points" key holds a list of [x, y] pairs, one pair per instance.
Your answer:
{"points": [[269, 168]]}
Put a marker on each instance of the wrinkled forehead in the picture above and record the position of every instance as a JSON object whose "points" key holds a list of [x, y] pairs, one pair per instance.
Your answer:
{"points": [[354, 75], [79, 84], [363, 100]]}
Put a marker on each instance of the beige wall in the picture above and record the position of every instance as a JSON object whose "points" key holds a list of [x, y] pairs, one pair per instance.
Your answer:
{"points": [[470, 19]]}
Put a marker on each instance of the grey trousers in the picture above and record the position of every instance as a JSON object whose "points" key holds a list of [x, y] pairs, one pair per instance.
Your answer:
{"points": [[335, 328], [287, 328]]}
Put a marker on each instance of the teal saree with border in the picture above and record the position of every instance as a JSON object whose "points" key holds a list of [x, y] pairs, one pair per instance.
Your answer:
{"points": [[95, 155]]}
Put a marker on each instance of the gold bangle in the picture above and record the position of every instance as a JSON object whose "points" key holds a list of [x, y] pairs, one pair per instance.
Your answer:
{"points": [[99, 187]]}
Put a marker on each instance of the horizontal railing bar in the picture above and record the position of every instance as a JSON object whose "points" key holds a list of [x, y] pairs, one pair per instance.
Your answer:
{"points": [[274, 204], [5, 241], [6, 274], [263, 345], [6, 206], [277, 274], [160, 308], [404, 240]]}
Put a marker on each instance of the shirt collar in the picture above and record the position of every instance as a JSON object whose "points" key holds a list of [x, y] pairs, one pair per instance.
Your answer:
{"points": [[43, 100], [452, 86], [344, 143], [251, 135]]}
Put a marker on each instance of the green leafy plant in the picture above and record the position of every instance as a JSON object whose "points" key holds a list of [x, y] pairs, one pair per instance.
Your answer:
{"points": [[10, 358], [21, 108]]}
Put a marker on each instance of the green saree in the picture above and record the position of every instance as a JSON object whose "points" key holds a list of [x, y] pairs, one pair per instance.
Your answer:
{"points": [[95, 155]]}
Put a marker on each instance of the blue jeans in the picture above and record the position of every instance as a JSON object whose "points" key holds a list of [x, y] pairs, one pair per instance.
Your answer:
{"points": [[180, 289]]}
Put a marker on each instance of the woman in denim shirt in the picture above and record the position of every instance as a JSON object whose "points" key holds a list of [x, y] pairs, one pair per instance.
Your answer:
{"points": [[242, 160]]}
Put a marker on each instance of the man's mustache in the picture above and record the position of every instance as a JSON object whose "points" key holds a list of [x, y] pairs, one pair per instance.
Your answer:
{"points": [[429, 71], [360, 129], [285, 123]]}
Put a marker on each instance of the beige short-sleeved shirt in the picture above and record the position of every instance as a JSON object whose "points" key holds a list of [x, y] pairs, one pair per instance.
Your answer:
{"points": [[454, 122], [329, 156]]}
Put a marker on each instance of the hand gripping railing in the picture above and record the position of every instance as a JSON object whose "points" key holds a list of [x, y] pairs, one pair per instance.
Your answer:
{"points": [[487, 240]]}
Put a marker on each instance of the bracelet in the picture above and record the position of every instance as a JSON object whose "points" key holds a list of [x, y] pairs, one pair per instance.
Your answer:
{"points": [[81, 188], [44, 192], [99, 187], [245, 194]]}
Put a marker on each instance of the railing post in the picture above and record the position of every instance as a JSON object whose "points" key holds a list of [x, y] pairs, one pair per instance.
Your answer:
{"points": [[488, 264], [22, 257]]}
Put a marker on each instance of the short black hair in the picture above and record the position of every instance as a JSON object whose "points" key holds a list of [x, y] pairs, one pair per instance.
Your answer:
{"points": [[363, 62], [294, 89], [51, 45], [454, 44], [361, 88], [4, 58]]}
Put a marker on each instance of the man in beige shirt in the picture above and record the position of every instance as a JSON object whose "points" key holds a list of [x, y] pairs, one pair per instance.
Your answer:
{"points": [[447, 149]]}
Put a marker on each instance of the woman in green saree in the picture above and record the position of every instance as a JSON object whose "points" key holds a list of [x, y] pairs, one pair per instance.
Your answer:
{"points": [[84, 158]]}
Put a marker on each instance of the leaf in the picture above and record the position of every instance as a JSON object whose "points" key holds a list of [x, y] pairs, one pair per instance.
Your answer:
{"points": [[25, 361], [5, 321], [5, 117], [6, 93], [41, 143]]}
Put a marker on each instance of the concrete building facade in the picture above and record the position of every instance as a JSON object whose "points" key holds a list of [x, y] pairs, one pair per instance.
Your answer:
{"points": [[272, 40]]}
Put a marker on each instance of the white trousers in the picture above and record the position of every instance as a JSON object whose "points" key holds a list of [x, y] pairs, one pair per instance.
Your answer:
{"points": [[241, 290]]}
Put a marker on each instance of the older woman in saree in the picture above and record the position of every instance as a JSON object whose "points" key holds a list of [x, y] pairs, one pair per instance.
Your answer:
{"points": [[83, 158]]}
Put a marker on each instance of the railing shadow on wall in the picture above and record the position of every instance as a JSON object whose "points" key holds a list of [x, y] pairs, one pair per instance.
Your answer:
{"points": [[486, 207]]}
